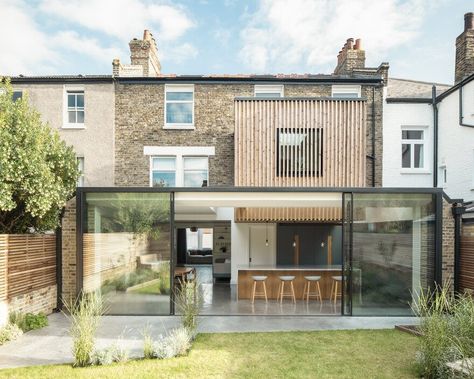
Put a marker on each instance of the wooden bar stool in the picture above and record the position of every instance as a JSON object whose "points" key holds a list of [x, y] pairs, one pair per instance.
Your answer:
{"points": [[259, 279], [334, 292], [281, 288], [307, 288]]}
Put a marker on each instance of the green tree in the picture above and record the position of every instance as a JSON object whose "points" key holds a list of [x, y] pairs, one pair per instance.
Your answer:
{"points": [[38, 171]]}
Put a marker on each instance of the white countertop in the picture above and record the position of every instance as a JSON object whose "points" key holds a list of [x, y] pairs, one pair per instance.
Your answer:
{"points": [[288, 268]]}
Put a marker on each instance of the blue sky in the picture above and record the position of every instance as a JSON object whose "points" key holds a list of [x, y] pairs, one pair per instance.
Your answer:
{"points": [[200, 37]]}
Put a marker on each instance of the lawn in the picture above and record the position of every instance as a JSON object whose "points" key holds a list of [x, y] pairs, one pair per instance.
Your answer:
{"points": [[328, 354]]}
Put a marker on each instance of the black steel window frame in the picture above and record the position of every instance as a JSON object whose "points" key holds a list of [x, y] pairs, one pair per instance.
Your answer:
{"points": [[81, 206], [317, 163]]}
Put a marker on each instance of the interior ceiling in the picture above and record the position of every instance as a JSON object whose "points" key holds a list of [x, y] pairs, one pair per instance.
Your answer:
{"points": [[187, 201]]}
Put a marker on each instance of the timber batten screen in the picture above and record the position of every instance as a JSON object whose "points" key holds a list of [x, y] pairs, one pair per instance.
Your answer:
{"points": [[323, 143]]}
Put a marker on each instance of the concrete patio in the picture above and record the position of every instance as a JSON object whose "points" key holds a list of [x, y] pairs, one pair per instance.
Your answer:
{"points": [[52, 344]]}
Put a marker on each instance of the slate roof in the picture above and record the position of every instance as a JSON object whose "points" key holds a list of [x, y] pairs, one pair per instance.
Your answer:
{"points": [[405, 88]]}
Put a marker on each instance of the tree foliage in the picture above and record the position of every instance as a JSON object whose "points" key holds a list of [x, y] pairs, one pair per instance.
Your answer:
{"points": [[38, 171]]}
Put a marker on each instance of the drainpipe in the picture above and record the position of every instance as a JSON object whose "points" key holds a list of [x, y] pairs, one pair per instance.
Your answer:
{"points": [[435, 136], [458, 211], [461, 116], [373, 136]]}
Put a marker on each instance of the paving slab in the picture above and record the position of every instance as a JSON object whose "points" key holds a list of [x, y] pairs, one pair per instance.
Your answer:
{"points": [[52, 344]]}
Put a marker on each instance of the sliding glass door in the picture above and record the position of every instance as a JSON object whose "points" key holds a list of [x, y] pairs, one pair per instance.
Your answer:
{"points": [[126, 251], [389, 251]]}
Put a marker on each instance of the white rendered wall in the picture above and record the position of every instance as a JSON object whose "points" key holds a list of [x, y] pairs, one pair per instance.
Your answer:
{"points": [[395, 116], [456, 144]]}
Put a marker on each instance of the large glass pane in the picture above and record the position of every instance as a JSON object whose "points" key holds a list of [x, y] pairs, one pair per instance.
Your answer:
{"points": [[392, 251], [179, 113], [126, 251]]}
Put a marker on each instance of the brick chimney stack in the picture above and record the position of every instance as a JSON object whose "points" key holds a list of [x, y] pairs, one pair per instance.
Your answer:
{"points": [[351, 57], [465, 49], [145, 53]]}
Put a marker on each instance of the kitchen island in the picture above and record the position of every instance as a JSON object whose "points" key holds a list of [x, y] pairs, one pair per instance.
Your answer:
{"points": [[246, 272]]}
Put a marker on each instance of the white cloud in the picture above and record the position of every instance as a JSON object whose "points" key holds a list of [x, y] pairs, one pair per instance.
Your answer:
{"points": [[282, 33], [179, 53], [123, 19], [28, 47], [72, 41], [25, 49]]}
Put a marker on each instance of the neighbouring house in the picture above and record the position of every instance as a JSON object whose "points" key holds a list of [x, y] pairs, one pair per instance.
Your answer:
{"points": [[81, 109], [428, 128]]}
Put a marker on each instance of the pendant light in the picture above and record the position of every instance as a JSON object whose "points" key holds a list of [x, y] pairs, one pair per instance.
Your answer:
{"points": [[266, 234]]}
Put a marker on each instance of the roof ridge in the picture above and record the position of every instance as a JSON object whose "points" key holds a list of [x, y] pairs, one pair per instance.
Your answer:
{"points": [[421, 82]]}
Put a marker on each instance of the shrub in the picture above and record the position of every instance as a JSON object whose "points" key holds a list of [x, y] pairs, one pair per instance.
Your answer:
{"points": [[447, 327], [85, 314], [189, 302], [28, 321], [175, 344], [38, 170], [9, 332], [148, 348]]}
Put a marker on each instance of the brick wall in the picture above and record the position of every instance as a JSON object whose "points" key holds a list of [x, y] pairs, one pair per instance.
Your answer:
{"points": [[69, 251], [448, 242], [40, 300], [140, 119]]}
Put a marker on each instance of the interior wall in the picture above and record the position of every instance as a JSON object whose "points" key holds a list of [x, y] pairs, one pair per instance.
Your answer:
{"points": [[313, 240]]}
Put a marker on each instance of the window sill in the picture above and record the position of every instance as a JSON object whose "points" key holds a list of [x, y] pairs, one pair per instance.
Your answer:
{"points": [[74, 126], [415, 171], [179, 127]]}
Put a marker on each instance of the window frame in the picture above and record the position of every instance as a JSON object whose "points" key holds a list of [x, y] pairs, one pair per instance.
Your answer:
{"points": [[178, 88], [412, 143], [66, 123], [269, 88], [317, 155], [15, 96], [340, 90], [184, 157], [175, 168]]}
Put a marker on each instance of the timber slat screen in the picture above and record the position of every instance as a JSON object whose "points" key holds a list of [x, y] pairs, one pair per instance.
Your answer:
{"points": [[466, 266], [300, 143], [31, 262], [328, 214]]}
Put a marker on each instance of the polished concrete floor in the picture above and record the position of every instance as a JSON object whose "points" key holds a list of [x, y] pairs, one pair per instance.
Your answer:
{"points": [[220, 298]]}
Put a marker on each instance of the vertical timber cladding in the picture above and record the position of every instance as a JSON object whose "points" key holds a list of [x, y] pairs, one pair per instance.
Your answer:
{"points": [[332, 154]]}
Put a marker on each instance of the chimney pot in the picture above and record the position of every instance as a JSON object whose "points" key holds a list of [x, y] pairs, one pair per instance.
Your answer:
{"points": [[146, 35], [358, 44], [469, 21]]}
